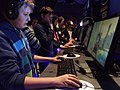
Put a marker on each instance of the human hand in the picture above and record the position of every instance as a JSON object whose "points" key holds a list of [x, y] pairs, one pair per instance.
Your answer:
{"points": [[64, 46], [72, 40], [56, 58], [67, 80], [69, 44]]}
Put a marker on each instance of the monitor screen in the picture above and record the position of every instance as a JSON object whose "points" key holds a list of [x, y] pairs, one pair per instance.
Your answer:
{"points": [[86, 27], [101, 39]]}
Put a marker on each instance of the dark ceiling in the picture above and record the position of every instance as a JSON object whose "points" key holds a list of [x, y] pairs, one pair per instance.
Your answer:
{"points": [[70, 9]]}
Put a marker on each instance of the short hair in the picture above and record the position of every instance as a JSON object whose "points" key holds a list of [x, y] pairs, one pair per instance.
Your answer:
{"points": [[45, 10]]}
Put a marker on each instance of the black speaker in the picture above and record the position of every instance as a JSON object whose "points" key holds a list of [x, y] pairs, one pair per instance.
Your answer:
{"points": [[12, 9]]}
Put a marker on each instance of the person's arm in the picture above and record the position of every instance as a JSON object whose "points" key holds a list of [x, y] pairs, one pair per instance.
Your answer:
{"points": [[70, 43], [67, 80], [33, 41], [38, 58], [10, 76]]}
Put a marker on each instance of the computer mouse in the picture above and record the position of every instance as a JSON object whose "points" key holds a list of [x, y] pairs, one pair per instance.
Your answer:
{"points": [[77, 88], [70, 55], [80, 85], [61, 58]]}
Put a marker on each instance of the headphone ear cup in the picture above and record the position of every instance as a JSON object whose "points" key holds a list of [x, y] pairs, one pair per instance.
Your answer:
{"points": [[12, 13]]}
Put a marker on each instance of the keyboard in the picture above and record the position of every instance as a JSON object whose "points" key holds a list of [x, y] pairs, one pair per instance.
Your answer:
{"points": [[66, 67]]}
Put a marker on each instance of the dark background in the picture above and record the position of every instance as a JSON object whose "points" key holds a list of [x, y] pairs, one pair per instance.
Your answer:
{"points": [[76, 10]]}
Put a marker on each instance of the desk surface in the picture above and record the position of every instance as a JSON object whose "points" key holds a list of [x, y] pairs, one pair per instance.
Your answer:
{"points": [[92, 75]]}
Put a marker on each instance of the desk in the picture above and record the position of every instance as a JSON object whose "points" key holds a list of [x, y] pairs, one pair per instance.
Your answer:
{"points": [[99, 82]]}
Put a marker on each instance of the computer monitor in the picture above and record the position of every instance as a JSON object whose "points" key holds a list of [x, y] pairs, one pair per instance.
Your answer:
{"points": [[86, 28], [101, 43]]}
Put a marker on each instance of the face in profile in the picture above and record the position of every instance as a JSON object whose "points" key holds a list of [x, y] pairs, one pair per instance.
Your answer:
{"points": [[23, 17], [47, 18]]}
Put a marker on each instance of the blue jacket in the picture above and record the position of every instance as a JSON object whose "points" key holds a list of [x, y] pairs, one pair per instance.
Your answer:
{"points": [[15, 58]]}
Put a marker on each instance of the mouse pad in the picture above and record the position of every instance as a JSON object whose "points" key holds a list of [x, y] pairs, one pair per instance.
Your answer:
{"points": [[85, 86], [76, 56]]}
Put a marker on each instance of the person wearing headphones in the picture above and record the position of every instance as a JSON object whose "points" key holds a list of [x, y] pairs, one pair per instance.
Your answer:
{"points": [[16, 63]]}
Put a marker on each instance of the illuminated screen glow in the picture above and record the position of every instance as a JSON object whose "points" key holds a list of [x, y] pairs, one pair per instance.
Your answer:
{"points": [[101, 39]]}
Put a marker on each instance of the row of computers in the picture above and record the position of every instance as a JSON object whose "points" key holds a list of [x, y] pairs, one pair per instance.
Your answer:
{"points": [[103, 43]]}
